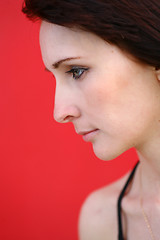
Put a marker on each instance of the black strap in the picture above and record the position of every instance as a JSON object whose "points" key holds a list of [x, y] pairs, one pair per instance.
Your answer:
{"points": [[120, 235]]}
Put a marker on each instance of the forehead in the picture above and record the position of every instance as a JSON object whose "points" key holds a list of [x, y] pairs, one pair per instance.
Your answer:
{"points": [[62, 41]]}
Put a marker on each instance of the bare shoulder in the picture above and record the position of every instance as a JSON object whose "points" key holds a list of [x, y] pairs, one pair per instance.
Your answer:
{"points": [[98, 216]]}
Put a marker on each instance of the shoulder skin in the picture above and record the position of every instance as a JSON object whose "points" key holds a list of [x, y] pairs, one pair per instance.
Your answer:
{"points": [[98, 216]]}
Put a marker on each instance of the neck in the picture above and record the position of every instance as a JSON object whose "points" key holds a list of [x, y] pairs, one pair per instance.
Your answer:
{"points": [[149, 156]]}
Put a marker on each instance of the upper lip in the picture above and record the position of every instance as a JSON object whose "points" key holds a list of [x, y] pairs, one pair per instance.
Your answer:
{"points": [[86, 132]]}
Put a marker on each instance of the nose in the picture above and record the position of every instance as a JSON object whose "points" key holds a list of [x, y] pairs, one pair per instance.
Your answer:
{"points": [[64, 113], [65, 109]]}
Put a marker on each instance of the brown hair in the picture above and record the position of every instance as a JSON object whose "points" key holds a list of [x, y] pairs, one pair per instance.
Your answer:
{"points": [[132, 25]]}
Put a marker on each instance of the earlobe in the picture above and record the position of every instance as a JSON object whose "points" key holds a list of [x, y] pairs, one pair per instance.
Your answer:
{"points": [[158, 74]]}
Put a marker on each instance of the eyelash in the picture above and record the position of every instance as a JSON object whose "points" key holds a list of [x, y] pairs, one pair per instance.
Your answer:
{"points": [[73, 72]]}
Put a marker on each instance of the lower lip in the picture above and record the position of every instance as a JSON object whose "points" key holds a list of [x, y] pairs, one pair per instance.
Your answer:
{"points": [[89, 136]]}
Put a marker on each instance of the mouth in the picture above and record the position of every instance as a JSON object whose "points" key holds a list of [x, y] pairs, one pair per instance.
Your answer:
{"points": [[88, 135]]}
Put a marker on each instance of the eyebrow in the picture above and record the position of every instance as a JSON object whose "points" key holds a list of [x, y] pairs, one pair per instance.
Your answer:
{"points": [[58, 63]]}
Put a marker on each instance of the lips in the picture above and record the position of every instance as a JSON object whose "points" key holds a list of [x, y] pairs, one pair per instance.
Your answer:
{"points": [[88, 135]]}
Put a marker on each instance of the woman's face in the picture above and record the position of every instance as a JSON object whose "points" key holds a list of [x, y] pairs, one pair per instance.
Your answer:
{"points": [[111, 100]]}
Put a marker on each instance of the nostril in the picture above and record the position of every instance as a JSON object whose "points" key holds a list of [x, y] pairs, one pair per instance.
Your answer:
{"points": [[63, 118], [67, 118], [63, 114]]}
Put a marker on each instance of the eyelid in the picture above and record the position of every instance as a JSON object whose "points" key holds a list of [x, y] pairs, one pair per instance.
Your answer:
{"points": [[72, 67]]}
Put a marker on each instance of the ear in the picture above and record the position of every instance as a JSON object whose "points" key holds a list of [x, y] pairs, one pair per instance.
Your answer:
{"points": [[158, 74]]}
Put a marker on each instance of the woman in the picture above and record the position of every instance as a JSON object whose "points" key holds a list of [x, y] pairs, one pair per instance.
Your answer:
{"points": [[105, 56]]}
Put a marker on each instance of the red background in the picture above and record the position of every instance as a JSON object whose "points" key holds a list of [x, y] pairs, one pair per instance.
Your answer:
{"points": [[46, 170]]}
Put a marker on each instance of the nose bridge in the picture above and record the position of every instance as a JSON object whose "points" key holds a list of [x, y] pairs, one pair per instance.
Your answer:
{"points": [[65, 108]]}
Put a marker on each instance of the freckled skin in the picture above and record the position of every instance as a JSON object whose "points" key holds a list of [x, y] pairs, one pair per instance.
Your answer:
{"points": [[117, 95]]}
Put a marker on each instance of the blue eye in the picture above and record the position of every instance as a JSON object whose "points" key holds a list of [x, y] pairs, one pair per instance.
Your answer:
{"points": [[77, 72]]}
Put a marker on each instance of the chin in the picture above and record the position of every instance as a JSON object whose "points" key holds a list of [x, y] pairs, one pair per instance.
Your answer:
{"points": [[104, 156], [107, 154]]}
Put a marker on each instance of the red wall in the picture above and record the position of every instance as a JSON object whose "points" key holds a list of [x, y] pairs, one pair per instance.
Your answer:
{"points": [[46, 170]]}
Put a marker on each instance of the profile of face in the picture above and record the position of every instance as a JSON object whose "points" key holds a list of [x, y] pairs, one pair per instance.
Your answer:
{"points": [[112, 100]]}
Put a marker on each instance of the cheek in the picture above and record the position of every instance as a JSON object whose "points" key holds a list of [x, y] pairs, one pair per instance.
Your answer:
{"points": [[106, 95], [121, 98], [117, 104]]}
